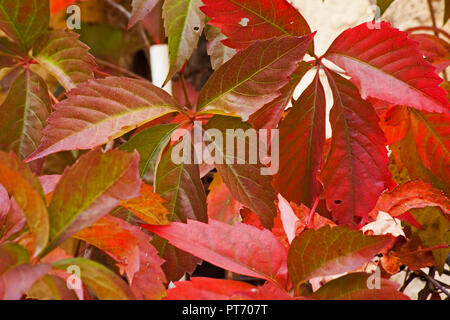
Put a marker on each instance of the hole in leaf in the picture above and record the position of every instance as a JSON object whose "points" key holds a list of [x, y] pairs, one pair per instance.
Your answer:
{"points": [[337, 201], [196, 28], [244, 22]]}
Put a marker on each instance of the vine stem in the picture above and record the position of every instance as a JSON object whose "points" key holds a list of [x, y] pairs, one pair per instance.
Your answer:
{"points": [[433, 21], [186, 95], [427, 28]]}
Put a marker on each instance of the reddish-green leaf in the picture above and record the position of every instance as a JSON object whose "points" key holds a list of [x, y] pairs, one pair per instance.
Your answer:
{"points": [[240, 248], [11, 255], [24, 20], [221, 204], [88, 190], [9, 52], [218, 52], [243, 177], [21, 184], [357, 158], [386, 64], [183, 22], [103, 282], [435, 232], [64, 56], [101, 110], [302, 140], [407, 162], [15, 282], [140, 9], [270, 114], [432, 135], [411, 195], [329, 251], [355, 286], [253, 77], [24, 114], [245, 22], [181, 186]]}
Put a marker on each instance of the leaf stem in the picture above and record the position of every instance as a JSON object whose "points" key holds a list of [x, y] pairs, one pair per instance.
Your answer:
{"points": [[427, 28], [186, 95], [119, 69]]}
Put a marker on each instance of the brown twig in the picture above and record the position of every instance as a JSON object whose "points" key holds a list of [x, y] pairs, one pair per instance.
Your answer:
{"points": [[119, 69], [435, 283]]}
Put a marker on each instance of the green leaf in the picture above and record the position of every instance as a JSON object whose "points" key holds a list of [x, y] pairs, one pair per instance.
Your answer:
{"points": [[90, 189], [435, 232], [64, 56], [24, 20], [354, 286], [329, 251], [21, 184], [100, 111], [150, 143], [183, 22], [253, 77], [383, 5], [103, 282], [24, 114], [244, 179]]}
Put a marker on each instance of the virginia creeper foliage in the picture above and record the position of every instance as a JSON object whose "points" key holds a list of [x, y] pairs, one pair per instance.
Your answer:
{"points": [[88, 178]]}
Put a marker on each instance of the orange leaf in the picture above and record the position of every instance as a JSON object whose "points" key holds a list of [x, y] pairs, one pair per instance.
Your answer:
{"points": [[149, 206]]}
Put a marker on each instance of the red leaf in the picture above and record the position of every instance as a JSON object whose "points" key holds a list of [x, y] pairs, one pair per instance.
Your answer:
{"points": [[355, 173], [218, 289], [245, 22], [435, 50], [206, 289], [431, 133], [389, 66], [302, 140], [240, 248], [221, 204], [411, 195], [109, 235]]}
